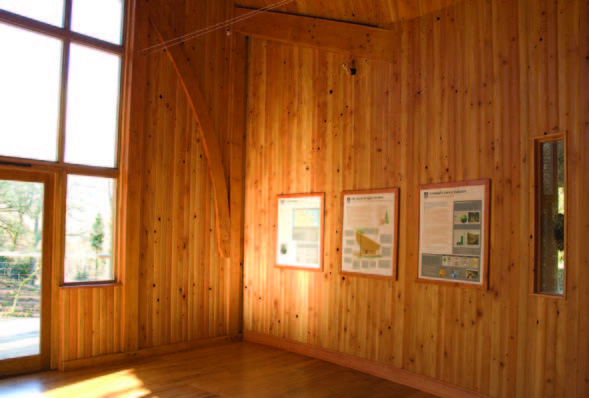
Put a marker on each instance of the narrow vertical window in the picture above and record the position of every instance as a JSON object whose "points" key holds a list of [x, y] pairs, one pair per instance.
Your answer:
{"points": [[550, 217], [93, 104]]}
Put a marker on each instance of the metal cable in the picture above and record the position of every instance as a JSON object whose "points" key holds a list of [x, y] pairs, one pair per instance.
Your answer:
{"points": [[212, 28]]}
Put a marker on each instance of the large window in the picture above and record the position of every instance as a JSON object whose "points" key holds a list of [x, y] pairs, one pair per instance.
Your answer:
{"points": [[60, 85], [29, 103], [550, 209]]}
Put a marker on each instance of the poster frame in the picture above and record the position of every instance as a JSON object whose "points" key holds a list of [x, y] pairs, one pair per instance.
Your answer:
{"points": [[321, 231], [395, 261], [486, 183]]}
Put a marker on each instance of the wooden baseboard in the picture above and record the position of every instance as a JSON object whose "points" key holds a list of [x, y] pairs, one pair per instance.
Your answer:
{"points": [[124, 357], [18, 366], [400, 376]]}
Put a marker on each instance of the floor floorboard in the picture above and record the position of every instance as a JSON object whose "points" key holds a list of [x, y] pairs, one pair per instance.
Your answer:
{"points": [[228, 370]]}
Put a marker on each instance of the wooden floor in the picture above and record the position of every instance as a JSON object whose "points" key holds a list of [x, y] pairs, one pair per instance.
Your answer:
{"points": [[228, 370]]}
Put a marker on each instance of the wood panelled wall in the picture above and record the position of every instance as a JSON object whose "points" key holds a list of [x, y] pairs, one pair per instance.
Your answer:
{"points": [[93, 322], [175, 284], [181, 277], [470, 87]]}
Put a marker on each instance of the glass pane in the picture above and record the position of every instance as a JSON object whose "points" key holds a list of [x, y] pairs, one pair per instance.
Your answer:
{"points": [[92, 110], [21, 237], [30, 90], [48, 11], [551, 201], [102, 19], [299, 231], [89, 226]]}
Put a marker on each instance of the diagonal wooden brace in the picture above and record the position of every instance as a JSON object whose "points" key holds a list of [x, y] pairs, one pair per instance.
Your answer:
{"points": [[201, 112]]}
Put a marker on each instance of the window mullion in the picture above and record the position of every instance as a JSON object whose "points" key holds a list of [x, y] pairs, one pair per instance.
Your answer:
{"points": [[27, 23], [68, 15], [63, 101], [95, 43], [64, 80], [91, 171]]}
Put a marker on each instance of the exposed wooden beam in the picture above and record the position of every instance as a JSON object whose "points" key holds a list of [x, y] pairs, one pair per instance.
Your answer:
{"points": [[342, 37], [187, 77], [131, 163]]}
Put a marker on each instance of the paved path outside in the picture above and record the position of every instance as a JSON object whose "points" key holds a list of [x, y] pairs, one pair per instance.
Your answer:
{"points": [[19, 337]]}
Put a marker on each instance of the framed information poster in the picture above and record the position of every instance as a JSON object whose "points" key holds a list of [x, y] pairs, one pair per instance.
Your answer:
{"points": [[454, 233], [369, 232], [299, 244]]}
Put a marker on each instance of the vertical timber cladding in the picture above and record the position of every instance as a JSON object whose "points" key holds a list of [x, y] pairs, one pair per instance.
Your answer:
{"points": [[176, 284], [474, 84], [183, 281]]}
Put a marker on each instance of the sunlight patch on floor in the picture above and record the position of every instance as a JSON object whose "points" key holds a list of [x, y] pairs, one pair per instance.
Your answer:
{"points": [[115, 385]]}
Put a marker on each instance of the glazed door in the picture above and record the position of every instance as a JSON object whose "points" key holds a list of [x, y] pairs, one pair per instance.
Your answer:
{"points": [[25, 270]]}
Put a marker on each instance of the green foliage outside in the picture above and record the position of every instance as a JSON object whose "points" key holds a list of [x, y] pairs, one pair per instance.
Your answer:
{"points": [[18, 269], [97, 239], [21, 222]]}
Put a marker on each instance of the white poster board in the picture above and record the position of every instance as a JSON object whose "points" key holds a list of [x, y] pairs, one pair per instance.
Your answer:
{"points": [[453, 232], [299, 243], [369, 232]]}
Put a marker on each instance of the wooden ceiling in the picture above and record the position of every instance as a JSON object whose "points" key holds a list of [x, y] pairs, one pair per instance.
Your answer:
{"points": [[380, 13]]}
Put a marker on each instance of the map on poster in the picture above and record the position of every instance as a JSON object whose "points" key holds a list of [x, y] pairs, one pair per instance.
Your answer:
{"points": [[452, 228], [299, 232], [369, 233]]}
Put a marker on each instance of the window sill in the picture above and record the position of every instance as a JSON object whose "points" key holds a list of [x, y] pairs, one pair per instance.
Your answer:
{"points": [[91, 285], [550, 296]]}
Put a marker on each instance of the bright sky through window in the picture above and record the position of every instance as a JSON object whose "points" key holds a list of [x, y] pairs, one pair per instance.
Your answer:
{"points": [[29, 88], [92, 112], [29, 82], [100, 19], [48, 11]]}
